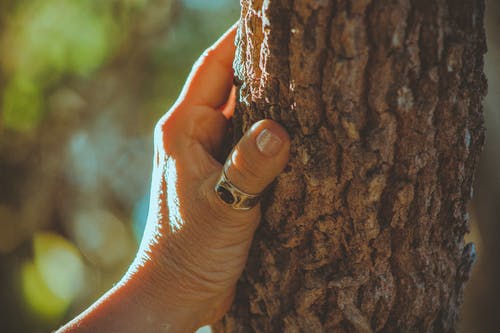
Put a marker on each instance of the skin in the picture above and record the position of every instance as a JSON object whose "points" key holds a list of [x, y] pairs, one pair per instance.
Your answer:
{"points": [[195, 246]]}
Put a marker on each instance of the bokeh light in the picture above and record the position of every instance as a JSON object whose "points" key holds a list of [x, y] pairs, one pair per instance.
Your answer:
{"points": [[102, 237], [54, 277]]}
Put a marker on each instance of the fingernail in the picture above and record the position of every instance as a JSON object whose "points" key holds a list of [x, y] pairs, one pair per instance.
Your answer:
{"points": [[268, 143]]}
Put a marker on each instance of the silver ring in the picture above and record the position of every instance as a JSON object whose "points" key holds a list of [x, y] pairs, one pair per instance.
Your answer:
{"points": [[233, 196]]}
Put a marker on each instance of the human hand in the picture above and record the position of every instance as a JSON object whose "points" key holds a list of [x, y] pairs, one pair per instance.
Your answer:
{"points": [[195, 245]]}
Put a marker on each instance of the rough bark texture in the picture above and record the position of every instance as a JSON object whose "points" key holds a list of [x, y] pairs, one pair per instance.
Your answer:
{"points": [[364, 230]]}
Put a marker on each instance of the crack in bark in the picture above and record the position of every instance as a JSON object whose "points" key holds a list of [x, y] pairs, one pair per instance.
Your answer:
{"points": [[363, 231]]}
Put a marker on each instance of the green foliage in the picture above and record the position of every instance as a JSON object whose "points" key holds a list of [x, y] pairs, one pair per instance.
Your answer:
{"points": [[22, 104], [61, 36], [46, 40], [116, 64]]}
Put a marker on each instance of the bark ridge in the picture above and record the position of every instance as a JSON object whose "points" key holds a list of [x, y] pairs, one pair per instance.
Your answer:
{"points": [[363, 232]]}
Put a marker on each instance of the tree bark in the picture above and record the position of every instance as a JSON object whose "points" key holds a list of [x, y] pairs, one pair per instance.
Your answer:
{"points": [[363, 232]]}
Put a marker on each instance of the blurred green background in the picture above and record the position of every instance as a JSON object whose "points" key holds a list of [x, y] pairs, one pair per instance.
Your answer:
{"points": [[82, 84]]}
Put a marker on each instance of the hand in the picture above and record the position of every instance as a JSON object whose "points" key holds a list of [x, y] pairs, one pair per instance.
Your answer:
{"points": [[195, 246]]}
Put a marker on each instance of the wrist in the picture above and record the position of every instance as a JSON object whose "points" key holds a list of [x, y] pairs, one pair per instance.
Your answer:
{"points": [[129, 307], [160, 296]]}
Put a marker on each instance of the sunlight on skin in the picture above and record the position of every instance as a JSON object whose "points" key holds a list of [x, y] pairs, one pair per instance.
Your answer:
{"points": [[155, 213], [173, 204], [195, 245]]}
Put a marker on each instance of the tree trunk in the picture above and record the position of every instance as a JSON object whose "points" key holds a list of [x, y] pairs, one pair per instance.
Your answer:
{"points": [[363, 232]]}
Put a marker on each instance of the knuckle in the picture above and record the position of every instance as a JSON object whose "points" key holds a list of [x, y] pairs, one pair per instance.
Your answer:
{"points": [[204, 58], [209, 57], [246, 172], [165, 131], [249, 169], [158, 131], [208, 54], [162, 126]]}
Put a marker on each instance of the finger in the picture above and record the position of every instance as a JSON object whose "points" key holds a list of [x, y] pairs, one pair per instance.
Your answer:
{"points": [[259, 157], [211, 127], [211, 78], [177, 129], [228, 108]]}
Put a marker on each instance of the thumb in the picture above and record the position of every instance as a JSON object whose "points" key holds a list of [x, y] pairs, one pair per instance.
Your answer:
{"points": [[259, 157]]}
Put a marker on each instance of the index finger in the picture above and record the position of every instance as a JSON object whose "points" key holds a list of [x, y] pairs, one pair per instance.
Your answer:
{"points": [[211, 78]]}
